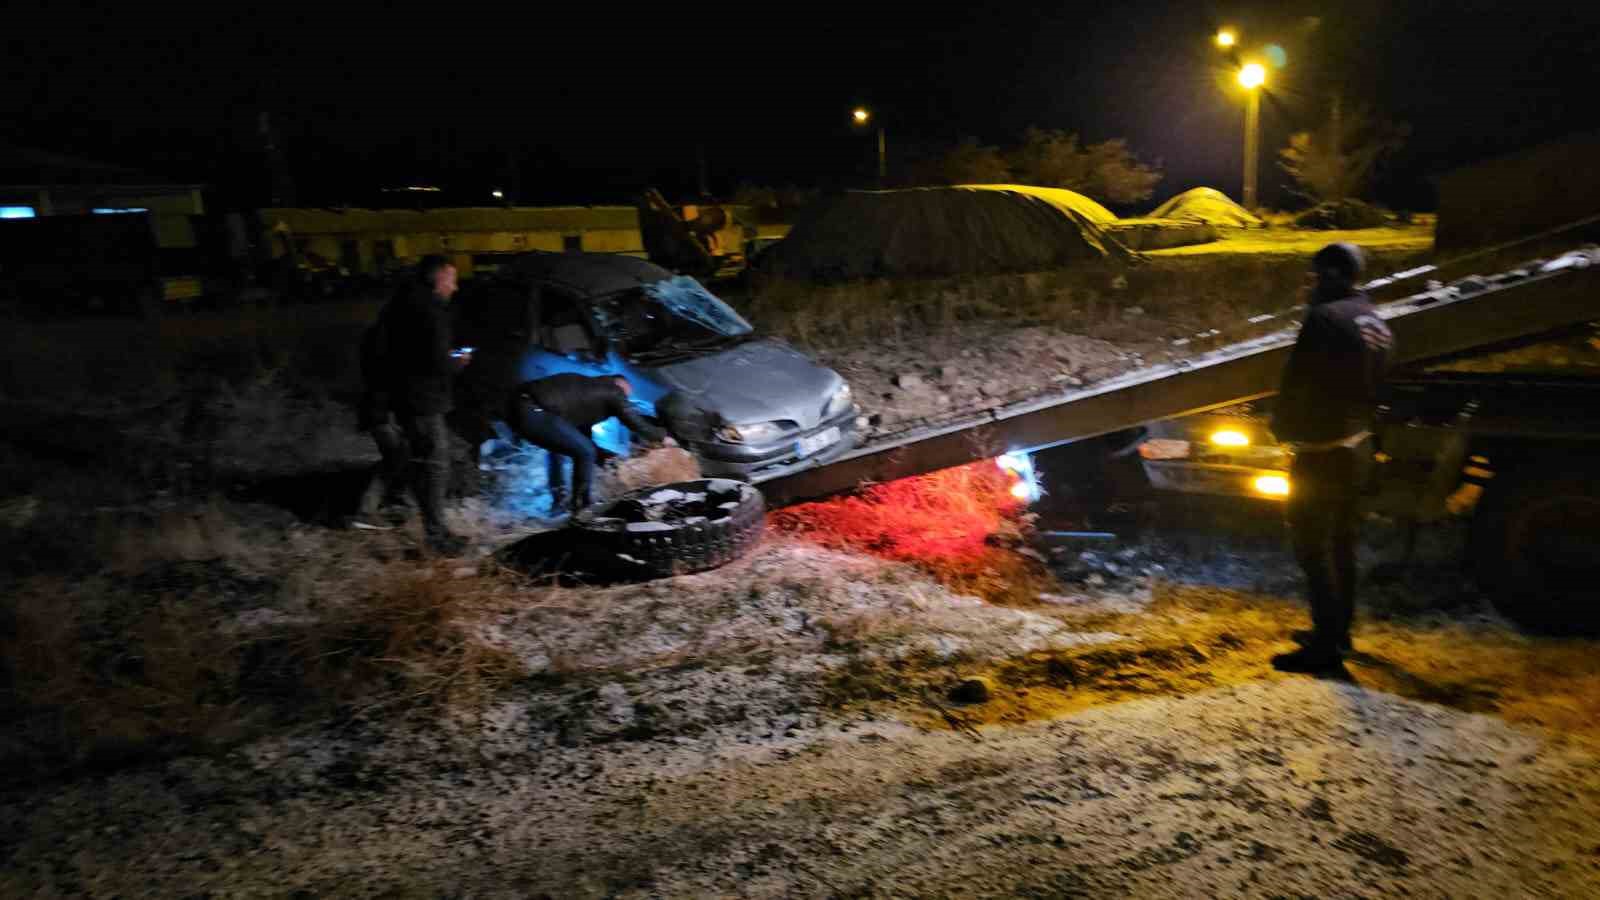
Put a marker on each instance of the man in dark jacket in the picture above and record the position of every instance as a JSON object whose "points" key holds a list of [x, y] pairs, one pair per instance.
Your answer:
{"points": [[1324, 412], [408, 363], [557, 413]]}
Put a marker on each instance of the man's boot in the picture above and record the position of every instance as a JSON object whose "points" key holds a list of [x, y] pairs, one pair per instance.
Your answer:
{"points": [[1304, 637], [1316, 658], [446, 544]]}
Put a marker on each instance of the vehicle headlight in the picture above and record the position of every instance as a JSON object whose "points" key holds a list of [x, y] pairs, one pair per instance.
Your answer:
{"points": [[839, 402], [1271, 485], [1230, 437], [753, 433]]}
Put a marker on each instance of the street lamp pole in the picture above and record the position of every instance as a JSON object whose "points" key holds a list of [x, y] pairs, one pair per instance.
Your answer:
{"points": [[1251, 77], [862, 117], [1252, 143]]}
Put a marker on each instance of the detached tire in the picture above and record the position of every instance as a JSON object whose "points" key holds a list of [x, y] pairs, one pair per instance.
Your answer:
{"points": [[674, 529], [1536, 545]]}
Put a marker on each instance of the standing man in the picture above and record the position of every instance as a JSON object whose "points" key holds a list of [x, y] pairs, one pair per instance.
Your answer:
{"points": [[408, 364], [1325, 414], [557, 413]]}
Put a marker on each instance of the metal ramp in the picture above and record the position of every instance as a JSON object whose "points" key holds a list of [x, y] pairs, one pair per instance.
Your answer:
{"points": [[1474, 311]]}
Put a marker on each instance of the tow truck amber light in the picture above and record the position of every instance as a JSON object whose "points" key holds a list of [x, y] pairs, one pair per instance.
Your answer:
{"points": [[1271, 485], [1230, 438]]}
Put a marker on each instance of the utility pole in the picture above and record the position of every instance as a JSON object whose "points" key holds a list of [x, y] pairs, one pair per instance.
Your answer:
{"points": [[883, 160], [280, 183], [1252, 143]]}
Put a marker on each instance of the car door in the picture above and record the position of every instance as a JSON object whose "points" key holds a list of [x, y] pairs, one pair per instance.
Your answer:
{"points": [[566, 340]]}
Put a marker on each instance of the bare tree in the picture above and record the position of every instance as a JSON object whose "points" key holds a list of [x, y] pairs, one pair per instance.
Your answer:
{"points": [[966, 163], [1337, 160], [1106, 171]]}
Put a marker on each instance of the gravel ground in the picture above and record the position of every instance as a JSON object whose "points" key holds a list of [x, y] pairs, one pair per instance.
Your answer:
{"points": [[1287, 788], [899, 382], [784, 727]]}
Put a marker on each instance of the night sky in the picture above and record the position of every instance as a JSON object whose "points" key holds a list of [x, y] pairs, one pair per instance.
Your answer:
{"points": [[591, 106]]}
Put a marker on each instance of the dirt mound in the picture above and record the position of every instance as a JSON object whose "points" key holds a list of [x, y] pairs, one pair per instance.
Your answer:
{"points": [[943, 231], [1208, 205], [1342, 215]]}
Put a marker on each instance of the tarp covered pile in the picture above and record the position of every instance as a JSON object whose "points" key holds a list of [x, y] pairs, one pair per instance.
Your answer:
{"points": [[1208, 205], [982, 228]]}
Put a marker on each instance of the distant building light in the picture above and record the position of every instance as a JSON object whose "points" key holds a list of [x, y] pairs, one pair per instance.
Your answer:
{"points": [[498, 195], [413, 188], [17, 212], [114, 210]]}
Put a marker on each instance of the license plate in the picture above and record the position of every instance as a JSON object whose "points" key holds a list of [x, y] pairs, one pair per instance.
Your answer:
{"points": [[816, 442]]}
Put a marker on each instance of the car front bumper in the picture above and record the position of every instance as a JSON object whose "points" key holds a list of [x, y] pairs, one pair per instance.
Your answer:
{"points": [[763, 462]]}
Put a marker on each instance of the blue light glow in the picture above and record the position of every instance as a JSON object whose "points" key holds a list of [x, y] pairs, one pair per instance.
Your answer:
{"points": [[112, 211], [1277, 56], [17, 212], [521, 482], [1020, 464]]}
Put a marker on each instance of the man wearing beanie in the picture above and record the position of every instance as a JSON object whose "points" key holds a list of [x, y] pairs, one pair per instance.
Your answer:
{"points": [[1324, 413]]}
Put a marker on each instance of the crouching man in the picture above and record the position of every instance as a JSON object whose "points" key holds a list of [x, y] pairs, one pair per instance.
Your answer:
{"points": [[557, 414], [1325, 414]]}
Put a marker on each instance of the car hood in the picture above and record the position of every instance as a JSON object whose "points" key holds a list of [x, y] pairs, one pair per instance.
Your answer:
{"points": [[757, 381]]}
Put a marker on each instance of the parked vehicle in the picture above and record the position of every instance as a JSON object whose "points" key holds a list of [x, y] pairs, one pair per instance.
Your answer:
{"points": [[748, 406], [1504, 434]]}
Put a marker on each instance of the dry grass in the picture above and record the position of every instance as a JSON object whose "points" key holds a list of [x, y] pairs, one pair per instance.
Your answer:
{"points": [[661, 466], [196, 626], [414, 635]]}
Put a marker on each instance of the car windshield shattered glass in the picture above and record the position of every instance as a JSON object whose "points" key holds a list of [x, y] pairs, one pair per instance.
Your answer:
{"points": [[674, 314]]}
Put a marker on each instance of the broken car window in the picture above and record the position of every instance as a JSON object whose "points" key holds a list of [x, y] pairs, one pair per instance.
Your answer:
{"points": [[674, 314]]}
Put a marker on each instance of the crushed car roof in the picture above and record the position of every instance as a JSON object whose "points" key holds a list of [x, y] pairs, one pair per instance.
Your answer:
{"points": [[589, 274]]}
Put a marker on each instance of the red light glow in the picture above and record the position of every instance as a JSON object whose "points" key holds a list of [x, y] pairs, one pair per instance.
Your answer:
{"points": [[941, 516]]}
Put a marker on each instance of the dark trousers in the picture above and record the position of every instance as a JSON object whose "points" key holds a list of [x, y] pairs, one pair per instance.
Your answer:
{"points": [[1323, 513], [563, 440], [416, 454]]}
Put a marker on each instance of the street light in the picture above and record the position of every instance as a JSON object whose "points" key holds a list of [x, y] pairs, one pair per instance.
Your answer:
{"points": [[862, 117], [1226, 38], [1251, 77]]}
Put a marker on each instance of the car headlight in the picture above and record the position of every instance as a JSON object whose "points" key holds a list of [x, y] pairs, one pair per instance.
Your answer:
{"points": [[1271, 485], [839, 402], [753, 433]]}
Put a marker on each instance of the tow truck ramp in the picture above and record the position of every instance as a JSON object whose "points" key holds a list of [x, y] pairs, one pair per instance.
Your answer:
{"points": [[1445, 319]]}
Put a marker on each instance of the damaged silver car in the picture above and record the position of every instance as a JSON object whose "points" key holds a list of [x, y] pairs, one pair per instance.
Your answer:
{"points": [[748, 406]]}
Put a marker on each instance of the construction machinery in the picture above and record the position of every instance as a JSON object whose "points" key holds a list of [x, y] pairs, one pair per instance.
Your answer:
{"points": [[701, 240]]}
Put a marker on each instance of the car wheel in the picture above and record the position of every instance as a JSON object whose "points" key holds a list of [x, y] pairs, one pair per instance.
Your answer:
{"points": [[675, 529], [1536, 542]]}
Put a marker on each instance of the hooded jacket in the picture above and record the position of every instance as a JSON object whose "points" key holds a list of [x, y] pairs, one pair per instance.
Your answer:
{"points": [[1330, 386]]}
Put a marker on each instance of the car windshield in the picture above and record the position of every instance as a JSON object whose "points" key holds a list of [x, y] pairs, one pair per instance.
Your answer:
{"points": [[671, 316]]}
